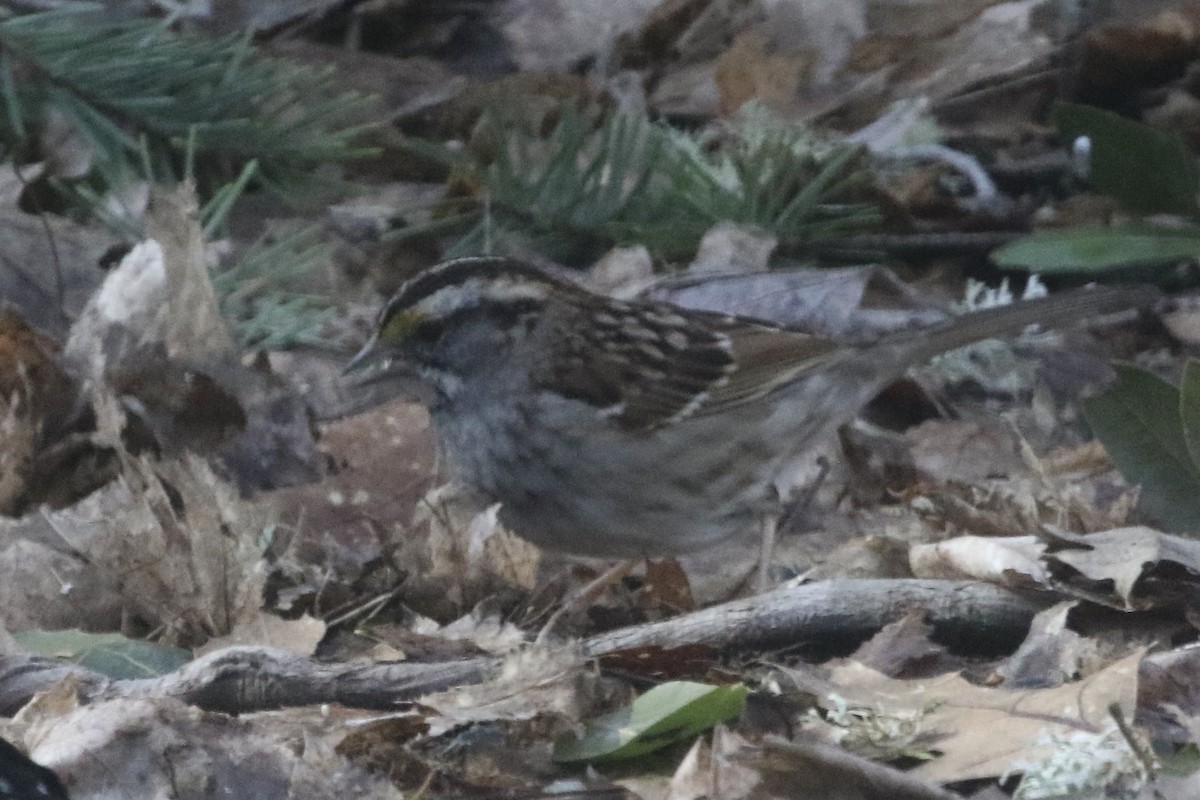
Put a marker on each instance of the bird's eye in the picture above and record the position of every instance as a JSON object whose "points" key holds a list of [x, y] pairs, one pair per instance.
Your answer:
{"points": [[427, 331]]}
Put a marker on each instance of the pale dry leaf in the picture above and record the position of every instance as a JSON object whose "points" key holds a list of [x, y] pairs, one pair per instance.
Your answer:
{"points": [[444, 514], [1013, 561], [57, 701], [48, 586], [555, 35], [468, 548], [1005, 38], [195, 328], [299, 636], [13, 180], [515, 560], [1024, 503], [8, 645], [964, 450], [484, 628], [828, 28], [622, 272], [1051, 653], [531, 683], [715, 771], [179, 543], [1183, 320], [48, 263], [687, 90], [733, 248], [160, 296], [851, 303], [1122, 558], [138, 747], [133, 297], [692, 779], [983, 732], [18, 436]]}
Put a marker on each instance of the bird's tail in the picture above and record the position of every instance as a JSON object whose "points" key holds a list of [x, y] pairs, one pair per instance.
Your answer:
{"points": [[1056, 311]]}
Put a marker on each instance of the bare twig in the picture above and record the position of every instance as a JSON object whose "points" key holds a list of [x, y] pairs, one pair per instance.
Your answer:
{"points": [[835, 614]]}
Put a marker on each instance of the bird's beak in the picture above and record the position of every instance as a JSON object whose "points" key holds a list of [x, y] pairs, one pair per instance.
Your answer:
{"points": [[364, 358]]}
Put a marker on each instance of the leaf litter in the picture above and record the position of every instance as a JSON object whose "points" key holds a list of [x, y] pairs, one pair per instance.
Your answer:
{"points": [[340, 546]]}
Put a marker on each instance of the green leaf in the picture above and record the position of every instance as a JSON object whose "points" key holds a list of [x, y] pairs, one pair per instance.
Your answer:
{"points": [[1138, 420], [1189, 408], [1147, 170], [669, 713], [1096, 250], [109, 654]]}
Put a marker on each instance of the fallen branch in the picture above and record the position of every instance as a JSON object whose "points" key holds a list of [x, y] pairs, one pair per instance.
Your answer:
{"points": [[840, 614], [834, 614]]}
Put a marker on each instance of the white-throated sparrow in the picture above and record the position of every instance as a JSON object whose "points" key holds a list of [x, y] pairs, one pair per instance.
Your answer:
{"points": [[628, 429]]}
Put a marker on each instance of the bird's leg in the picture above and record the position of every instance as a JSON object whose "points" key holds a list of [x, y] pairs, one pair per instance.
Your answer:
{"points": [[587, 595], [775, 518], [795, 510], [768, 526]]}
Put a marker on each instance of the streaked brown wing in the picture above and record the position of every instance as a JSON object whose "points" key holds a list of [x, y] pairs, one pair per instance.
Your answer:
{"points": [[766, 358], [647, 365]]}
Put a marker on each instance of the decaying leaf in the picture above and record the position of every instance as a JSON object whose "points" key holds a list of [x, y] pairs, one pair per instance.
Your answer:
{"points": [[713, 770], [539, 682], [1022, 505], [36, 397], [162, 747], [1128, 568], [267, 630], [982, 732], [902, 649], [1051, 653], [168, 544]]}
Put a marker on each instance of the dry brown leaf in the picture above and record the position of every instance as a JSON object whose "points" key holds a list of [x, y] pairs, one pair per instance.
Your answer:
{"points": [[484, 628], [1168, 700], [555, 35], [983, 732], [467, 549], [967, 451], [160, 295], [1021, 505], [1129, 568], [133, 747], [1051, 653], [714, 771], [168, 544], [300, 635], [757, 68], [1002, 40], [537, 682], [901, 649], [36, 397], [48, 263]]}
